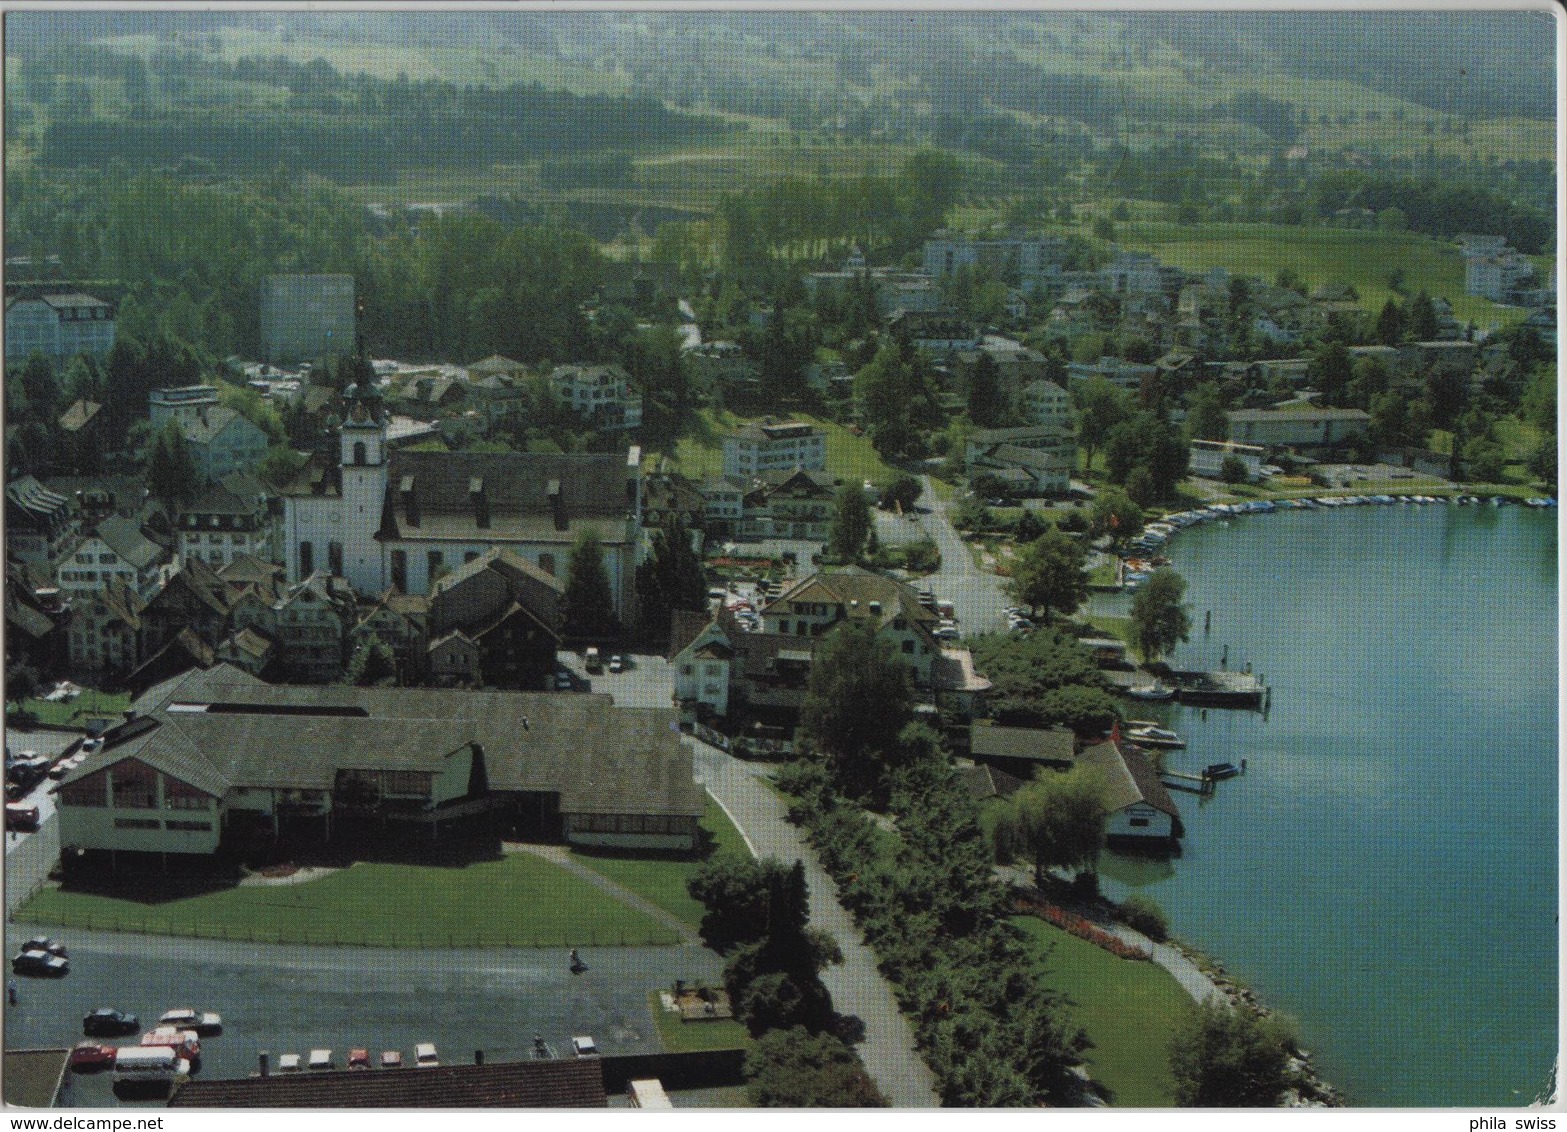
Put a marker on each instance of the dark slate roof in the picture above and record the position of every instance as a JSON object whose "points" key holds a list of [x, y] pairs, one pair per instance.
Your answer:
{"points": [[598, 757], [495, 364], [560, 1083], [211, 423], [33, 1077], [1031, 743], [685, 625], [1129, 777], [124, 536], [516, 489]]}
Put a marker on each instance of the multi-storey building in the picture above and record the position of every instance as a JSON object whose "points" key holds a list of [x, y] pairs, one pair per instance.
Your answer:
{"points": [[769, 446], [58, 326], [600, 394]]}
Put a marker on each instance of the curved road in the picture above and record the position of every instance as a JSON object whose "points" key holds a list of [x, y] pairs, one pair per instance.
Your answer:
{"points": [[856, 985]]}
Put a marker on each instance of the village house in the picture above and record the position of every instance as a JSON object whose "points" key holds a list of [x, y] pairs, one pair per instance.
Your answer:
{"points": [[214, 764], [788, 505], [402, 623], [117, 549], [81, 435], [724, 672], [104, 633], [1046, 403], [226, 520], [1138, 807], [1125, 376], [1035, 460], [58, 326], [600, 394], [307, 621], [495, 621], [939, 331], [1208, 457]]}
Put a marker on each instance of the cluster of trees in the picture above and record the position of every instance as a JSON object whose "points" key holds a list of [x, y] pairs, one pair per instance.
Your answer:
{"points": [[756, 915], [1056, 821], [349, 128], [987, 1023], [671, 578], [1438, 207], [588, 606], [1045, 679]]}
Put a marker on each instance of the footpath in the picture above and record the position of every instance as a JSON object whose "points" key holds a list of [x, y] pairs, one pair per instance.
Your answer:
{"points": [[856, 985]]}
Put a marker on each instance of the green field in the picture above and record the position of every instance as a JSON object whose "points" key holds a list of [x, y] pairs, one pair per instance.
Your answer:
{"points": [[1128, 1008], [662, 880], [517, 901], [1360, 257], [849, 457]]}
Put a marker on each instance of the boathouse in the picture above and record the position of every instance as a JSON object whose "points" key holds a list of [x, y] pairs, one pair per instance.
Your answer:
{"points": [[1140, 810]]}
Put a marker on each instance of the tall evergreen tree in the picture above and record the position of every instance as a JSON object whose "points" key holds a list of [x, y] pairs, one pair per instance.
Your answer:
{"points": [[589, 603], [851, 523], [171, 471]]}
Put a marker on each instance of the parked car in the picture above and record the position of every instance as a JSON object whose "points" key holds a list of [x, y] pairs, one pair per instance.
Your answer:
{"points": [[204, 1022], [288, 1063], [392, 1059], [563, 681], [617, 664], [184, 1042], [425, 1056], [946, 633], [322, 1059], [44, 943], [106, 1022], [359, 1059], [91, 1055], [40, 963], [584, 1046], [21, 817]]}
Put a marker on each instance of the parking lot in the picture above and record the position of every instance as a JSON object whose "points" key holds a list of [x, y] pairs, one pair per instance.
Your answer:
{"points": [[646, 681], [295, 999]]}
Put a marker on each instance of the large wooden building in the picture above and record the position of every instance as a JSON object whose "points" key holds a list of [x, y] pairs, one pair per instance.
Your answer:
{"points": [[218, 762]]}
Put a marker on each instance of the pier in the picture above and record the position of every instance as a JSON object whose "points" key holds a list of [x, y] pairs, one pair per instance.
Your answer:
{"points": [[1205, 689]]}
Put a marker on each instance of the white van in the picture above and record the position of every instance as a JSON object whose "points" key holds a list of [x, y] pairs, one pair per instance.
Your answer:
{"points": [[649, 1093], [149, 1063]]}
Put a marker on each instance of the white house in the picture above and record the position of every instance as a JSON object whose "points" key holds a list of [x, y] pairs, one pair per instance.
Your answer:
{"points": [[601, 394], [117, 550]]}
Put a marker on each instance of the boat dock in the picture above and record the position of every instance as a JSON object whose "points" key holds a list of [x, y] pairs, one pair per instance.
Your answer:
{"points": [[1205, 689], [1220, 689]]}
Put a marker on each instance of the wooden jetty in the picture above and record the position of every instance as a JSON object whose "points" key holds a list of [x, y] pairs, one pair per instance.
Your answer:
{"points": [[1219, 689]]}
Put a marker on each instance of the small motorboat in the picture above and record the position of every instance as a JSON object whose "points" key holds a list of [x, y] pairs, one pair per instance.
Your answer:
{"points": [[1152, 735], [1217, 772], [1154, 692]]}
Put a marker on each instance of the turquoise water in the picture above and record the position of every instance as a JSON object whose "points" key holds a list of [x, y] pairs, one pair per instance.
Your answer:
{"points": [[1386, 871]]}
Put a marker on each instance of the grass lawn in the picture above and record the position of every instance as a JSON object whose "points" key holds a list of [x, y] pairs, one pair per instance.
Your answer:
{"points": [[67, 713], [517, 901], [701, 454], [1128, 1008], [662, 880], [1111, 626], [690, 1037]]}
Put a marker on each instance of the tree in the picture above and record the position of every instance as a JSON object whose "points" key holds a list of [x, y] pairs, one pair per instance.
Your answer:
{"points": [[851, 522], [1229, 1057], [1420, 318], [40, 385], [1159, 620], [903, 492], [1233, 470], [671, 578], [1147, 440], [1050, 574], [987, 407], [1056, 821], [794, 1068], [1100, 407], [1390, 324], [1484, 460], [1330, 370], [1205, 414], [372, 665], [589, 607], [746, 898], [1115, 514], [22, 682], [171, 472], [857, 700]]}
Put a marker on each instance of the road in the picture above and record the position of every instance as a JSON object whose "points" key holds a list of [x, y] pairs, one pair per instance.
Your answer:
{"points": [[975, 594], [287, 999], [857, 987]]}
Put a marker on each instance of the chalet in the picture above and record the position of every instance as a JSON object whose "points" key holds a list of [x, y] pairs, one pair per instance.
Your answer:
{"points": [[495, 621], [214, 763]]}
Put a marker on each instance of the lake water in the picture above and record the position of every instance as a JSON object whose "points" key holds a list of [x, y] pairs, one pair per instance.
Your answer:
{"points": [[1386, 871]]}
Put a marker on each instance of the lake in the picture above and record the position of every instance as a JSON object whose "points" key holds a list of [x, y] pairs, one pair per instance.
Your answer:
{"points": [[1386, 871]]}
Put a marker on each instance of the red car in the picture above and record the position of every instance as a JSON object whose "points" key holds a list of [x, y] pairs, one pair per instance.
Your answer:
{"points": [[21, 817], [91, 1055], [359, 1059]]}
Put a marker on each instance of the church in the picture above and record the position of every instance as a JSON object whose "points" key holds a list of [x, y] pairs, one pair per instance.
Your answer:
{"points": [[379, 518]]}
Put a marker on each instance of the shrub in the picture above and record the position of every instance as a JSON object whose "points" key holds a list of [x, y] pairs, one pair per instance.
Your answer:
{"points": [[1143, 914]]}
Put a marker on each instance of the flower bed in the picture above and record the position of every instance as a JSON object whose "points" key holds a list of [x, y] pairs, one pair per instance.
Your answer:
{"points": [[1082, 928]]}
